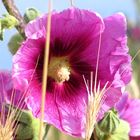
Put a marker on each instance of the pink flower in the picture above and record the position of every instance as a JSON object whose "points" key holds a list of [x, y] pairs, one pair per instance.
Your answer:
{"points": [[75, 36], [129, 111], [8, 94]]}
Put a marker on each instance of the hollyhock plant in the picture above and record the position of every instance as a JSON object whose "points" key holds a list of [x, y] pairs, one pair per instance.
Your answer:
{"points": [[130, 112], [75, 39]]}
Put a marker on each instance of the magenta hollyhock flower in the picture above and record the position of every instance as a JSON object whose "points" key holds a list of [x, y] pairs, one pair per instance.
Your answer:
{"points": [[8, 94], [129, 111], [135, 33], [75, 39]]}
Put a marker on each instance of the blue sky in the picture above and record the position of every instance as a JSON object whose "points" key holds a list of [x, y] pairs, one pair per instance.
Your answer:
{"points": [[103, 7]]}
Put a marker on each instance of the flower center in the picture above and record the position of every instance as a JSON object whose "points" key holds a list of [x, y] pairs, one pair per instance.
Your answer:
{"points": [[59, 69]]}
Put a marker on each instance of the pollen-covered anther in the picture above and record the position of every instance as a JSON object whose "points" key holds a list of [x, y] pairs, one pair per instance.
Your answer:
{"points": [[59, 70], [62, 75]]}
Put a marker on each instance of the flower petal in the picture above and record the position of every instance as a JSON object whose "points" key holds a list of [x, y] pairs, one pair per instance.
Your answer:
{"points": [[121, 103], [114, 61], [9, 95], [131, 114], [115, 41], [111, 96], [65, 112], [25, 62], [69, 22], [134, 138]]}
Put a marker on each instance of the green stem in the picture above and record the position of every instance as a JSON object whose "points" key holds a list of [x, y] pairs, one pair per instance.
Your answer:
{"points": [[46, 131], [13, 10]]}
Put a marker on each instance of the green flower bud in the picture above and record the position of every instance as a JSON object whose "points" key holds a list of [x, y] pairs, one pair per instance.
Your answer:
{"points": [[31, 14], [112, 128], [15, 43], [8, 21], [110, 122]]}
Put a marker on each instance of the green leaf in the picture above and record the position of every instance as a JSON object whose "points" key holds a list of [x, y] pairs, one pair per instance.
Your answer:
{"points": [[28, 126], [24, 132], [8, 21]]}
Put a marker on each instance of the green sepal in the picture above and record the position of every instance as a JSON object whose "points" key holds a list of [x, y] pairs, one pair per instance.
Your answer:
{"points": [[31, 14], [15, 43]]}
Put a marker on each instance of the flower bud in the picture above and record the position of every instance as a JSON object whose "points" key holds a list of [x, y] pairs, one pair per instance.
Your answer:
{"points": [[112, 128], [15, 43], [110, 122], [31, 14]]}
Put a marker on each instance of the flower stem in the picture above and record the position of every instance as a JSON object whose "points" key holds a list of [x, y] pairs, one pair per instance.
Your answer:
{"points": [[46, 131], [13, 10]]}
